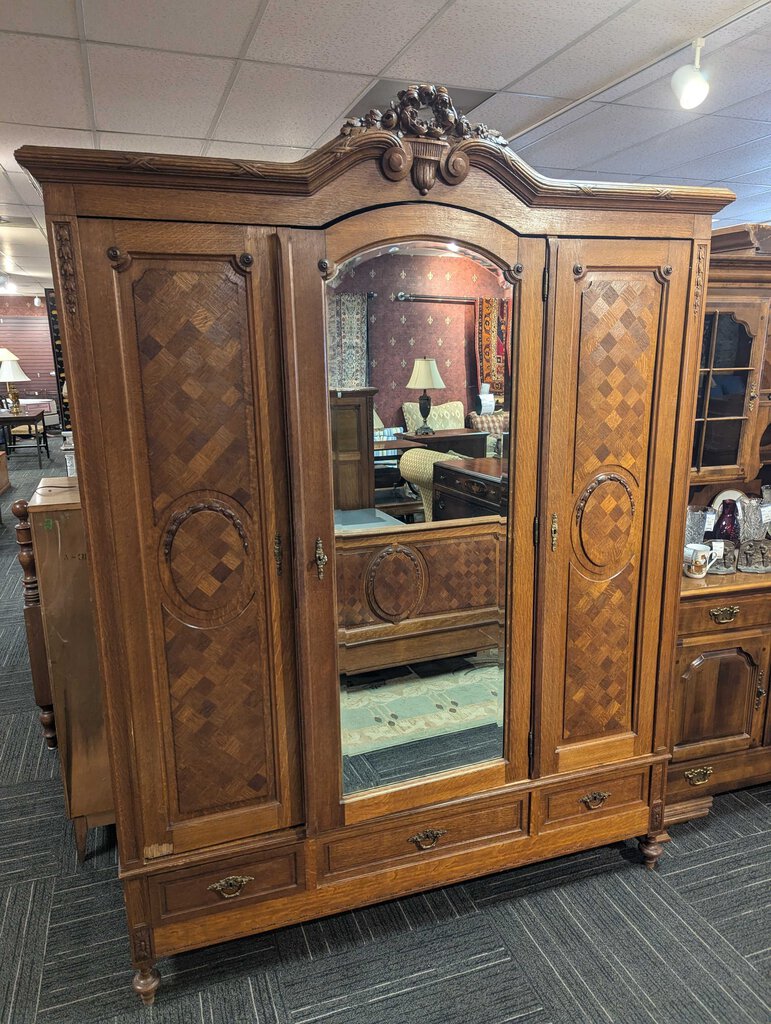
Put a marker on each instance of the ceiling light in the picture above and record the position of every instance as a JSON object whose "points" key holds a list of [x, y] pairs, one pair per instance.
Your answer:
{"points": [[453, 246], [689, 83], [37, 301], [9, 288]]}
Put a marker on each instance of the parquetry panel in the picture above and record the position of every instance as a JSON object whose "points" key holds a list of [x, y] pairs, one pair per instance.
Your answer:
{"points": [[219, 691], [619, 326], [192, 336], [599, 653]]}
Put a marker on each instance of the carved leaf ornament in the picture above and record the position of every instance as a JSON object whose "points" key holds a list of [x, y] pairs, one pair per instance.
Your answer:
{"points": [[426, 146]]}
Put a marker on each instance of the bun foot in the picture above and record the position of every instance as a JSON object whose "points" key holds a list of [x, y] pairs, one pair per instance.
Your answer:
{"points": [[145, 984], [651, 850]]}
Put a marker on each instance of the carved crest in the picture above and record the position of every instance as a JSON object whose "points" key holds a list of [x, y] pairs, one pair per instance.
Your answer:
{"points": [[427, 146]]}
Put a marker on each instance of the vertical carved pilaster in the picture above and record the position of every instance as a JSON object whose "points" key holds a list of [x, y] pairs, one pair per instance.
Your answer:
{"points": [[147, 979], [33, 621], [65, 258], [698, 288]]}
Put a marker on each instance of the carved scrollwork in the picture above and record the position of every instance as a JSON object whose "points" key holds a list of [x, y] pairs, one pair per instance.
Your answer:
{"points": [[514, 274], [396, 583], [426, 146], [141, 945], [698, 286], [65, 256], [202, 506], [589, 491]]}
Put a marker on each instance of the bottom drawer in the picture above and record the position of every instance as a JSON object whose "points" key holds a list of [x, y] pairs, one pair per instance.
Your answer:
{"points": [[424, 836], [594, 797], [231, 883], [705, 776]]}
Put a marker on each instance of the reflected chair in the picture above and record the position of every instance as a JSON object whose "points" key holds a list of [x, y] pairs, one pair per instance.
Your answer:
{"points": [[417, 468]]}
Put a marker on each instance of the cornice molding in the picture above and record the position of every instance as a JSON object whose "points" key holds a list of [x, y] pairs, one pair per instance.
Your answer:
{"points": [[443, 148]]}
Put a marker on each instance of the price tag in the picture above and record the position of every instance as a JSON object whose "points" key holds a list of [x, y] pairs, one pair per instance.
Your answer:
{"points": [[709, 522], [765, 513], [718, 546]]}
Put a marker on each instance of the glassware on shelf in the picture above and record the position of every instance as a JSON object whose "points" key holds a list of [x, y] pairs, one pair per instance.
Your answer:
{"points": [[727, 525], [751, 525], [695, 524]]}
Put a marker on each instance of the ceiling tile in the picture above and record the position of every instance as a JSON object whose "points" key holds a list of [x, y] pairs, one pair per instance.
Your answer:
{"points": [[759, 177], [13, 136], [488, 44], [587, 142], [41, 81], [574, 175], [149, 143], [27, 190], [757, 107], [748, 210], [743, 191], [684, 146], [192, 26], [245, 151], [731, 162], [509, 112], [352, 35], [8, 193], [558, 121], [40, 16], [632, 39], [309, 101], [155, 93]]}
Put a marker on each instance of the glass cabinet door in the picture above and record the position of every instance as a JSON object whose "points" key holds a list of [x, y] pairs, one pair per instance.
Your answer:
{"points": [[727, 402]]}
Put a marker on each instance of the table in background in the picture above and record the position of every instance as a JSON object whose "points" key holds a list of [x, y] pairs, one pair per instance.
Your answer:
{"points": [[8, 420], [463, 441], [468, 488]]}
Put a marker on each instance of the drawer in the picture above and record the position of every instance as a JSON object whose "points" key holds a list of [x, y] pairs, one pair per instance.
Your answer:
{"points": [[724, 611], [424, 836], [231, 883], [593, 798]]}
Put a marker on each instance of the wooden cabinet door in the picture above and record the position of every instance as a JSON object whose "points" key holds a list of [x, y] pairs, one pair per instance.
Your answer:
{"points": [[718, 695], [183, 439], [615, 358]]}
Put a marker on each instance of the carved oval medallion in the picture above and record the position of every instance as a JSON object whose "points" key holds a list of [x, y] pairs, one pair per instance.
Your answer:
{"points": [[206, 552], [604, 516], [396, 583]]}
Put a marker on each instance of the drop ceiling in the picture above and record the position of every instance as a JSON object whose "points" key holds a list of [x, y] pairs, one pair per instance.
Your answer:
{"points": [[582, 90]]}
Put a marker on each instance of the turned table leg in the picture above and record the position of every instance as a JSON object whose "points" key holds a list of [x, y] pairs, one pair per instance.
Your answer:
{"points": [[651, 849], [33, 621], [145, 984]]}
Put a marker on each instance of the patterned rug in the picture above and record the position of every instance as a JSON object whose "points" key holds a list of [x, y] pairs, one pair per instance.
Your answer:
{"points": [[493, 356], [420, 702]]}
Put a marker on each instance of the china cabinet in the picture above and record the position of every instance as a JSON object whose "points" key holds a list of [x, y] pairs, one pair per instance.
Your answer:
{"points": [[720, 731], [248, 793]]}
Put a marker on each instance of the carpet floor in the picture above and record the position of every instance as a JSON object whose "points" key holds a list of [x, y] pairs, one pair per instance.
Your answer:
{"points": [[587, 939]]}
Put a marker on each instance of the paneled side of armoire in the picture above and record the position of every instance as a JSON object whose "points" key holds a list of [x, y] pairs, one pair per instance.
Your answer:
{"points": [[192, 295]]}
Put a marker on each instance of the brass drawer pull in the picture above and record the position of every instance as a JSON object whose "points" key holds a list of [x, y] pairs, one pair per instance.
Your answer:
{"points": [[724, 613], [594, 800], [428, 838], [698, 776], [231, 886]]}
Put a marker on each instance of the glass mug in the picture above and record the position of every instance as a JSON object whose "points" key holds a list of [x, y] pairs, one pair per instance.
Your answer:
{"points": [[697, 559]]}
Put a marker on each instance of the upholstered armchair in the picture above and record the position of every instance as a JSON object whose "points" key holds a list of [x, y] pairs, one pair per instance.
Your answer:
{"points": [[417, 468], [495, 423], [448, 416]]}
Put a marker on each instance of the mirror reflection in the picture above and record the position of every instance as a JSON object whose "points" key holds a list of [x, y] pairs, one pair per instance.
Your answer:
{"points": [[419, 339]]}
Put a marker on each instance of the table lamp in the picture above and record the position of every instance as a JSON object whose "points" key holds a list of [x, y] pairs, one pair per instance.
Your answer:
{"points": [[425, 375], [10, 372]]}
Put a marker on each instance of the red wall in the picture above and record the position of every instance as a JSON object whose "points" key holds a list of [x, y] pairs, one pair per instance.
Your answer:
{"points": [[442, 330], [24, 331]]}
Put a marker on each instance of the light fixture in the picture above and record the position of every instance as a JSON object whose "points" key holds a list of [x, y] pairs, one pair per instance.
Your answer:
{"points": [[10, 372], [689, 83], [37, 301], [425, 375], [453, 247], [7, 287]]}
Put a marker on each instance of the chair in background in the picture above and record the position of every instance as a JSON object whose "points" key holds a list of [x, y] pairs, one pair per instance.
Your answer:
{"points": [[417, 468]]}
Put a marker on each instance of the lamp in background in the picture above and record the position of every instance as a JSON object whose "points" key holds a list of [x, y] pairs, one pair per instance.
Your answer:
{"points": [[689, 83], [425, 375], [10, 373]]}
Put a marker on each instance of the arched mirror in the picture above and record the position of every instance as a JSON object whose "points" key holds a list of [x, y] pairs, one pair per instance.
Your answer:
{"points": [[420, 346]]}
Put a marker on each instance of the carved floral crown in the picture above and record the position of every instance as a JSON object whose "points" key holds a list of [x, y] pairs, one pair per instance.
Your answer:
{"points": [[426, 146]]}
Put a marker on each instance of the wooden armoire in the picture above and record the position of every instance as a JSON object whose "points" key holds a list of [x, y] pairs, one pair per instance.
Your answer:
{"points": [[192, 299]]}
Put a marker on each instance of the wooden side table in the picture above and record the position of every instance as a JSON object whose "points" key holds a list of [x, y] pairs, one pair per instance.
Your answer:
{"points": [[468, 488], [463, 441]]}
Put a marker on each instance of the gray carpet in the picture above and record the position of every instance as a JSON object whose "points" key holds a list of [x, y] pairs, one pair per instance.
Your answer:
{"points": [[587, 939]]}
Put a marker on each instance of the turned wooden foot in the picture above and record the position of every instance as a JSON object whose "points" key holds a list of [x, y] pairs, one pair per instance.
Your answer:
{"points": [[651, 849], [48, 723], [81, 837], [145, 984]]}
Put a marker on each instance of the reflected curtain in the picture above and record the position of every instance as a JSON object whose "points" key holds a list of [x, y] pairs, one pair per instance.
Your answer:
{"points": [[347, 341], [493, 344]]}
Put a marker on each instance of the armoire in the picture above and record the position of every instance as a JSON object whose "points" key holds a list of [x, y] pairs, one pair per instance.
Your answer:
{"points": [[192, 307]]}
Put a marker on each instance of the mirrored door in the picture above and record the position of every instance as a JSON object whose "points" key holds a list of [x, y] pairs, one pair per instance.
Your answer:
{"points": [[423, 361]]}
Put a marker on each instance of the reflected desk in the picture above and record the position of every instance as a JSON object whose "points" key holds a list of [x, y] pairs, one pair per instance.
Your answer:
{"points": [[468, 488], [461, 440]]}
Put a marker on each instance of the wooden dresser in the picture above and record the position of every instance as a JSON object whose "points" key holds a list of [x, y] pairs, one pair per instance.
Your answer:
{"points": [[353, 447], [69, 648], [192, 302]]}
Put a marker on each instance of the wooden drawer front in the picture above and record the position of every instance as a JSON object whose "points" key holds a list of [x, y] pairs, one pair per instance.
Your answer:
{"points": [[593, 798], [723, 612], [188, 891], [426, 835]]}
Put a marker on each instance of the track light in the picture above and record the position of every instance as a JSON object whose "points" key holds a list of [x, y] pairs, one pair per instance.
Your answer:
{"points": [[37, 301], [689, 83]]}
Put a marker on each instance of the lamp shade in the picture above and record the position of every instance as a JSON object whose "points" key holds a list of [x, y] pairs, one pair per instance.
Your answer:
{"points": [[6, 354], [424, 375], [11, 371]]}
